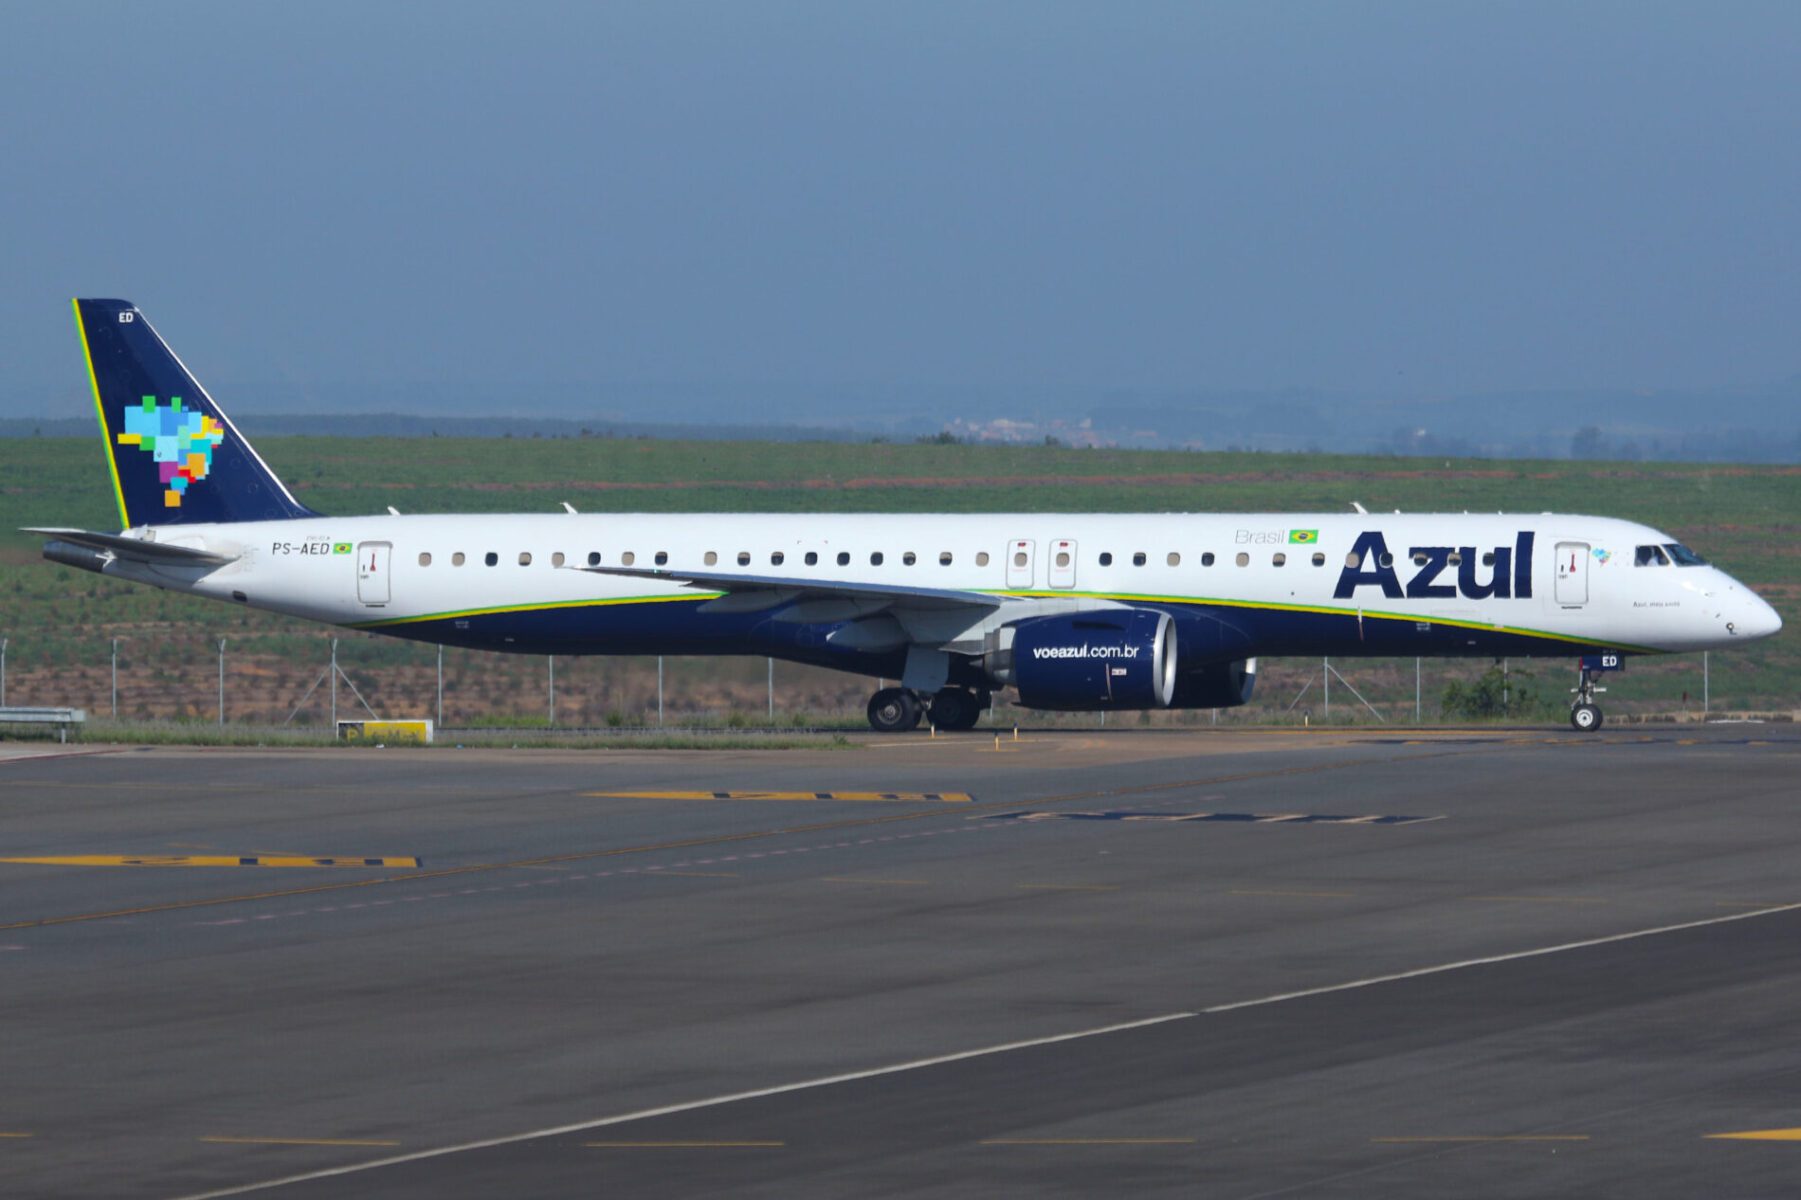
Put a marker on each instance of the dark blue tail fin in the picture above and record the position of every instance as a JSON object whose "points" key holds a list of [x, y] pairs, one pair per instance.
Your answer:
{"points": [[176, 459]]}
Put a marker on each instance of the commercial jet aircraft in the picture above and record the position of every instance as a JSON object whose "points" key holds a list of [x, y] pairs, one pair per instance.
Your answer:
{"points": [[1078, 612]]}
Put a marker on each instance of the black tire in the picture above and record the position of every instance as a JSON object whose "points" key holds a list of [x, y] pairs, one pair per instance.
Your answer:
{"points": [[893, 710], [955, 709], [1585, 718]]}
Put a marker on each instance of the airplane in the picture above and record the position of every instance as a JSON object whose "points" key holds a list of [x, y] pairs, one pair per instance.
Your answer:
{"points": [[1082, 612]]}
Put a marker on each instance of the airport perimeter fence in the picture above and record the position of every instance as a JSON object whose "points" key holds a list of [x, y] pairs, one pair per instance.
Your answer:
{"points": [[308, 681]]}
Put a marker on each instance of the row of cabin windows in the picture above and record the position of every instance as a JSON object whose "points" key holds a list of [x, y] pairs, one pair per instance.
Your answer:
{"points": [[1020, 559]]}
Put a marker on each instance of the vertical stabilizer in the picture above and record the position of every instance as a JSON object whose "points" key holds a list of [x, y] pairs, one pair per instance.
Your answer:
{"points": [[175, 457]]}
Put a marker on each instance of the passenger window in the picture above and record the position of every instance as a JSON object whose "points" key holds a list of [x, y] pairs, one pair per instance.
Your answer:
{"points": [[744, 558], [1175, 560], [525, 558], [1138, 559], [1488, 560], [1207, 559], [1244, 560], [1062, 558], [909, 558], [1353, 560], [662, 558], [456, 560], [1386, 560], [628, 558], [490, 558], [1456, 559], [557, 559], [1278, 559], [593, 558], [776, 558], [875, 558], [1106, 558], [710, 558], [1419, 560], [944, 558], [1319, 560], [981, 558], [844, 558], [425, 558], [1019, 558]]}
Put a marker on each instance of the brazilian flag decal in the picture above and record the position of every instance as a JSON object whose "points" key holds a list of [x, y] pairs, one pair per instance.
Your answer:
{"points": [[1302, 537], [340, 547]]}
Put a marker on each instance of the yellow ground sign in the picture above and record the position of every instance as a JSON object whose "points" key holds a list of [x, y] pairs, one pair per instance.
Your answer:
{"points": [[391, 733]]}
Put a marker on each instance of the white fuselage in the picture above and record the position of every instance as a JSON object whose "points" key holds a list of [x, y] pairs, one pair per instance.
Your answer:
{"points": [[1560, 582]]}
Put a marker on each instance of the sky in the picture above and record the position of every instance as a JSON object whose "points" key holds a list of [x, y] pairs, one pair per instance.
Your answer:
{"points": [[995, 198]]}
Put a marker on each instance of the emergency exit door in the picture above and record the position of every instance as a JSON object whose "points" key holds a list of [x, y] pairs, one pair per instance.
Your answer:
{"points": [[1572, 574], [1062, 568], [1020, 568], [372, 572]]}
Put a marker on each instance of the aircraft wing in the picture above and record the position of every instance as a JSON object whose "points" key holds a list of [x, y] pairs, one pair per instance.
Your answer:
{"points": [[780, 588], [135, 550]]}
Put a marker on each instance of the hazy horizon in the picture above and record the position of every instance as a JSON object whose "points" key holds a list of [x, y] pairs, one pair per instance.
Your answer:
{"points": [[887, 215]]}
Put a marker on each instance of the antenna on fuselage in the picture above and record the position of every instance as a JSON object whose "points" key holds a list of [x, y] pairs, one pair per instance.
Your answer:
{"points": [[1360, 508], [568, 508]]}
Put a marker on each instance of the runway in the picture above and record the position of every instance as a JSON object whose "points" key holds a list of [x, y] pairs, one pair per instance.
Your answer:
{"points": [[1240, 963]]}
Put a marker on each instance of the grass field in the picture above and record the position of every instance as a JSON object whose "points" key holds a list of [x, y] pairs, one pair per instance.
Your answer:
{"points": [[60, 621]]}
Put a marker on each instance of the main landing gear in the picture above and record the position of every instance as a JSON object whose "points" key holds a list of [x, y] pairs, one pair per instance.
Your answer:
{"points": [[1585, 714], [896, 710]]}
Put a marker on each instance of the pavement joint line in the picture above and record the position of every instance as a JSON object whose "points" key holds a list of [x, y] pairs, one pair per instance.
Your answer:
{"points": [[978, 1052], [16, 1136], [1543, 899], [722, 839], [857, 879], [1276, 892], [1067, 887]]}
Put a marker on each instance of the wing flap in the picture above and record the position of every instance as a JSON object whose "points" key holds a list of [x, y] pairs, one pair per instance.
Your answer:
{"points": [[889, 595]]}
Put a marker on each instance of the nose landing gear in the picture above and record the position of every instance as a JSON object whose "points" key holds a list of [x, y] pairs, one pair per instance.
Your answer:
{"points": [[1585, 714]]}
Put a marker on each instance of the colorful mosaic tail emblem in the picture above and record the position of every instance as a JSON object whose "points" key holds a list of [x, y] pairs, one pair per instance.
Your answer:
{"points": [[181, 441]]}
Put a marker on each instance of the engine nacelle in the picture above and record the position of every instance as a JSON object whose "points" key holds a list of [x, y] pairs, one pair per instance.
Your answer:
{"points": [[1217, 685], [1086, 662]]}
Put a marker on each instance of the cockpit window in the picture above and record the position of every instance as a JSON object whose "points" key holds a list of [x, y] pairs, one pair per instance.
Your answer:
{"points": [[1684, 556], [1650, 556]]}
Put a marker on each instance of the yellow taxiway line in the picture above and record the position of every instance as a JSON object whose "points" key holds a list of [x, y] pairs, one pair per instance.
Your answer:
{"points": [[913, 797], [212, 860]]}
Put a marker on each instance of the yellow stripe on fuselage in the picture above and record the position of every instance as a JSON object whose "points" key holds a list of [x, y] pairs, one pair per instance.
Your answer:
{"points": [[1124, 598], [106, 433], [544, 607], [1362, 613]]}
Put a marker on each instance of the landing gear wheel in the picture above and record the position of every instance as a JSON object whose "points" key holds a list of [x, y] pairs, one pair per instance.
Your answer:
{"points": [[893, 710], [955, 709], [1585, 717]]}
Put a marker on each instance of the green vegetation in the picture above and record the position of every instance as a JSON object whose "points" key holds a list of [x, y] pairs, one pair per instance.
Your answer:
{"points": [[60, 620]]}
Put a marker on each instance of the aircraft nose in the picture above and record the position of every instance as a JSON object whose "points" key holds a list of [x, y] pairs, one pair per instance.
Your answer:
{"points": [[1755, 617]]}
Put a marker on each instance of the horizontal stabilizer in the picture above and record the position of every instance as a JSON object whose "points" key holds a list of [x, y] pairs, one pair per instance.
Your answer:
{"points": [[134, 549], [894, 594]]}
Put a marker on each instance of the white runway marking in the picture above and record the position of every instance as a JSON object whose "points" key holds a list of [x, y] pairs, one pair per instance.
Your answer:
{"points": [[981, 1052]]}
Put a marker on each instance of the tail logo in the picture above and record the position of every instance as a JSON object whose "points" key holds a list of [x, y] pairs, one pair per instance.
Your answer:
{"points": [[181, 441]]}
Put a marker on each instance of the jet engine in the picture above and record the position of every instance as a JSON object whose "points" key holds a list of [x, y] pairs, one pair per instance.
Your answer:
{"points": [[1086, 662]]}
